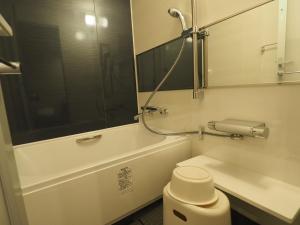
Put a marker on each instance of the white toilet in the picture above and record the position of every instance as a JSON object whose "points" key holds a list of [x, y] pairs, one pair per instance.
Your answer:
{"points": [[191, 199]]}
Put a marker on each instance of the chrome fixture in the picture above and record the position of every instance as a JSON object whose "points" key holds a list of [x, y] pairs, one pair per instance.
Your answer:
{"points": [[87, 140], [235, 14], [150, 110], [178, 14], [281, 39], [281, 69], [281, 73], [240, 128], [161, 110], [204, 58], [194, 32], [196, 93], [136, 117]]}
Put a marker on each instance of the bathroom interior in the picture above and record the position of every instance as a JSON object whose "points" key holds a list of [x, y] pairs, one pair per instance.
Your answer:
{"points": [[203, 93]]}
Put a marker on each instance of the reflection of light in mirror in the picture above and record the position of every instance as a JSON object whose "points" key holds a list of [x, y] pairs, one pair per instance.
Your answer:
{"points": [[80, 35], [103, 22], [90, 20]]}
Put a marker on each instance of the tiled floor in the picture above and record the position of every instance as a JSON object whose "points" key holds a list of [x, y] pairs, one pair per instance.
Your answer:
{"points": [[153, 215], [238, 219]]}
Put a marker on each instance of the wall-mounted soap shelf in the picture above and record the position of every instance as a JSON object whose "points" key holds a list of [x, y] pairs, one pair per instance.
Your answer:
{"points": [[275, 197]]}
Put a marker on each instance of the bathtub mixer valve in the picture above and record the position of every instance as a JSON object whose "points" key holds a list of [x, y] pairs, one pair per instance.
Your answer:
{"points": [[150, 110], [240, 128]]}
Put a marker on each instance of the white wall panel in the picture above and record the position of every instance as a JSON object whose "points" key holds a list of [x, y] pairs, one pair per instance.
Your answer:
{"points": [[278, 156]]}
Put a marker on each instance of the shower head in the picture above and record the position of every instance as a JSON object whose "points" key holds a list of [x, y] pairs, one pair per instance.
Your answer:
{"points": [[177, 14]]}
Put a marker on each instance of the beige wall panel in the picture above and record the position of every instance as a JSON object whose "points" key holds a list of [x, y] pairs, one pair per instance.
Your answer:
{"points": [[153, 25]]}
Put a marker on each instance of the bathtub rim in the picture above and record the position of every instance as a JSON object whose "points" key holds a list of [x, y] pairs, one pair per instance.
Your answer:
{"points": [[68, 175], [72, 136]]}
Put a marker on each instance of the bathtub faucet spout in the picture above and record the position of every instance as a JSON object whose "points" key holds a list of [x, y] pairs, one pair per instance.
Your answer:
{"points": [[152, 109], [161, 110]]}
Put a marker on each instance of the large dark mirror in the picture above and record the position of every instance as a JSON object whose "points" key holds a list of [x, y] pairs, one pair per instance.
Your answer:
{"points": [[77, 64], [155, 63]]}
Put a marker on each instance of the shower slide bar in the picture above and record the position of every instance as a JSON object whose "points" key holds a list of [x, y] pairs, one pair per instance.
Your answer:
{"points": [[188, 32], [196, 87], [235, 14]]}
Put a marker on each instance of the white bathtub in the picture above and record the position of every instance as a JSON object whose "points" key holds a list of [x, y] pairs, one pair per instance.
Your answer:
{"points": [[66, 183]]}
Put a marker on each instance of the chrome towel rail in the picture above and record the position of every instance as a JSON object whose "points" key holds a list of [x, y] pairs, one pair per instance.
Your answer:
{"points": [[281, 73], [234, 15]]}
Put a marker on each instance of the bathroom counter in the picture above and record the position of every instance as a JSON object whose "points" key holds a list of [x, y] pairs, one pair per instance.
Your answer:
{"points": [[273, 196]]}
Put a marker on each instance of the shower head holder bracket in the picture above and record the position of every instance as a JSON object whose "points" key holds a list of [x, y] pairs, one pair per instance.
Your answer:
{"points": [[201, 34]]}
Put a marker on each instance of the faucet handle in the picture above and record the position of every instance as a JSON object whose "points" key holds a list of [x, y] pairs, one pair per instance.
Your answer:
{"points": [[149, 108], [163, 111]]}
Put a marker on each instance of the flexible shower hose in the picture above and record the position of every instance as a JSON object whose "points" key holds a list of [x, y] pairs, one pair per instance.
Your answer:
{"points": [[154, 93]]}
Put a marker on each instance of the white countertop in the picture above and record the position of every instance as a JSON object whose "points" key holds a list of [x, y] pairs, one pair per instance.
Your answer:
{"points": [[273, 196]]}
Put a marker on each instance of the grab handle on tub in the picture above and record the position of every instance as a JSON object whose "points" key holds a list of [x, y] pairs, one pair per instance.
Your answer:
{"points": [[89, 139]]}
